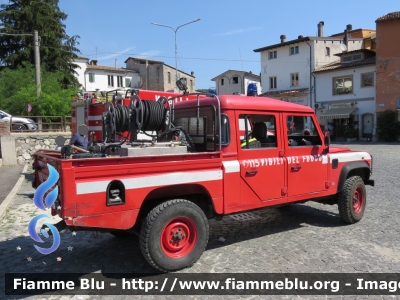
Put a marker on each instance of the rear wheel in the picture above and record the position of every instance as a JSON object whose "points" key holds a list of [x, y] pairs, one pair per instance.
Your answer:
{"points": [[352, 200], [174, 235]]}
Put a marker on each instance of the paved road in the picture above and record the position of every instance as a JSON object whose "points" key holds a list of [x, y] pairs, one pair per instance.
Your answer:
{"points": [[9, 176], [299, 238]]}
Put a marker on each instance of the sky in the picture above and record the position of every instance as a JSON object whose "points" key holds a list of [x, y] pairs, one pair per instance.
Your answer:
{"points": [[223, 39]]}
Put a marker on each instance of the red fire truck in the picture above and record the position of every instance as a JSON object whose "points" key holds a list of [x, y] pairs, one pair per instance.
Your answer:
{"points": [[199, 165]]}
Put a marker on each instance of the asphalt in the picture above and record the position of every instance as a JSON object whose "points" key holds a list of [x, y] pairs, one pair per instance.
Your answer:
{"points": [[9, 176]]}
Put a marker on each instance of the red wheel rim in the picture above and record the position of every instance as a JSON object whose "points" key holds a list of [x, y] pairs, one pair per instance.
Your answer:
{"points": [[178, 237], [358, 200]]}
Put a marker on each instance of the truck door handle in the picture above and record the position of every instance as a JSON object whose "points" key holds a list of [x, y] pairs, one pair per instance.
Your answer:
{"points": [[251, 173], [296, 168]]}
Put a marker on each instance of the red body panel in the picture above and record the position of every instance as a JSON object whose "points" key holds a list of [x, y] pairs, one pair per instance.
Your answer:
{"points": [[234, 179], [94, 120]]}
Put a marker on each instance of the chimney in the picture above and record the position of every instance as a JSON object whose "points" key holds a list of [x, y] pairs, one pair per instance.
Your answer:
{"points": [[93, 62], [349, 27], [116, 63], [192, 73], [283, 38], [300, 37], [321, 29]]}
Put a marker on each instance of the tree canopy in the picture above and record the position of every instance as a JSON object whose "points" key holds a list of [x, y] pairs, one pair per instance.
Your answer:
{"points": [[18, 88], [57, 49]]}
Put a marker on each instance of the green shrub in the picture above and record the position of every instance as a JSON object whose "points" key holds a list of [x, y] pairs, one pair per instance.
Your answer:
{"points": [[388, 128]]}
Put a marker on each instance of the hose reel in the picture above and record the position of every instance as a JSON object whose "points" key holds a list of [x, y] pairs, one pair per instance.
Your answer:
{"points": [[140, 115]]}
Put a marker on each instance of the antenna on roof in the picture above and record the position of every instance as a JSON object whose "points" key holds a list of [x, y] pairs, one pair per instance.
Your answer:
{"points": [[343, 47]]}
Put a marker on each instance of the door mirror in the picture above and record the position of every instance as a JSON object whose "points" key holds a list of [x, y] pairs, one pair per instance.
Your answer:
{"points": [[327, 138]]}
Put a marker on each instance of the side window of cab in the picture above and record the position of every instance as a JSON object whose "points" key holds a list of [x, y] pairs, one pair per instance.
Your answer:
{"points": [[301, 131], [257, 131]]}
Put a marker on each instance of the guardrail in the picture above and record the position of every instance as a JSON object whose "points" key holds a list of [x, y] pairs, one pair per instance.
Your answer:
{"points": [[40, 123]]}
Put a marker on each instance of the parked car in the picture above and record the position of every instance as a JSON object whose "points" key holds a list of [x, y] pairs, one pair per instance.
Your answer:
{"points": [[19, 123]]}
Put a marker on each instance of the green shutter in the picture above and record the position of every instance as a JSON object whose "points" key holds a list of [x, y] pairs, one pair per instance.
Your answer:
{"points": [[127, 82], [91, 77]]}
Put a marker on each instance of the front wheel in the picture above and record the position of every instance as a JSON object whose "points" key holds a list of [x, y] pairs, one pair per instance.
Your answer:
{"points": [[352, 200], [19, 127], [174, 235]]}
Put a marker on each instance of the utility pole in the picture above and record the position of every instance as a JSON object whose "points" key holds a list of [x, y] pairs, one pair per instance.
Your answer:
{"points": [[37, 61], [37, 71], [36, 40]]}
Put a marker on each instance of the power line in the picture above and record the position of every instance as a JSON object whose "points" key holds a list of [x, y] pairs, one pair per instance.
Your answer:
{"points": [[16, 34]]}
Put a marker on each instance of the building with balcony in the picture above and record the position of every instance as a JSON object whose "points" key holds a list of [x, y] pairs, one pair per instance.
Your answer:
{"points": [[287, 67], [345, 90]]}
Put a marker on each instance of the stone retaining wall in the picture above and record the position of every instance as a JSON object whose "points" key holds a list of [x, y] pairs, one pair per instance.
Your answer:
{"points": [[26, 144]]}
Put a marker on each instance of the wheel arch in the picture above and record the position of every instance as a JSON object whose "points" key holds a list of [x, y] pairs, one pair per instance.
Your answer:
{"points": [[195, 193], [355, 168]]}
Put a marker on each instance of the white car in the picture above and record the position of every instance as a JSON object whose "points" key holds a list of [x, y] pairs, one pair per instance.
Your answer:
{"points": [[19, 123]]}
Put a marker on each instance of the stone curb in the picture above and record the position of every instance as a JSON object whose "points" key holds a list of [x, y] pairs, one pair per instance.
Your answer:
{"points": [[11, 195]]}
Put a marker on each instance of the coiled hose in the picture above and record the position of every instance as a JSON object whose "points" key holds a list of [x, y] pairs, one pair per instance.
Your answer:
{"points": [[140, 115], [121, 114], [148, 115]]}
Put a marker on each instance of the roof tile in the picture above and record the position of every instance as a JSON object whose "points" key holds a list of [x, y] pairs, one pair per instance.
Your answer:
{"points": [[341, 65], [390, 16]]}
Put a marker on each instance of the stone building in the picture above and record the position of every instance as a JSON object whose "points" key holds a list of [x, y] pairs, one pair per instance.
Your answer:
{"points": [[158, 76]]}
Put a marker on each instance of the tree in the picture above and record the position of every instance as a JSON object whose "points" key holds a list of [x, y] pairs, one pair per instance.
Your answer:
{"points": [[57, 49], [18, 88]]}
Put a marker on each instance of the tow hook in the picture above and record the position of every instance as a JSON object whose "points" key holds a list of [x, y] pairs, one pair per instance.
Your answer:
{"points": [[60, 226]]}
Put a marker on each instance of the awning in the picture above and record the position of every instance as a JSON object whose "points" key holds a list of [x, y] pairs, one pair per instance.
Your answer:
{"points": [[338, 113]]}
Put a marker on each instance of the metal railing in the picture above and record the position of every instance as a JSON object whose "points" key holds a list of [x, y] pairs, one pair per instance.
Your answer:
{"points": [[40, 124]]}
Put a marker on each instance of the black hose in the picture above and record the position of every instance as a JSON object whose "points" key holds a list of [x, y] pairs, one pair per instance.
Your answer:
{"points": [[148, 115], [121, 118], [140, 115], [113, 145]]}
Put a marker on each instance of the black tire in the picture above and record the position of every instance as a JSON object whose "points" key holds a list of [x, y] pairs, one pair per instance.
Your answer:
{"points": [[121, 234], [19, 127], [174, 235], [352, 200]]}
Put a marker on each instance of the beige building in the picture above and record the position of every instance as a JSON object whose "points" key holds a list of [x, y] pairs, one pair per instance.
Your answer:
{"points": [[158, 76]]}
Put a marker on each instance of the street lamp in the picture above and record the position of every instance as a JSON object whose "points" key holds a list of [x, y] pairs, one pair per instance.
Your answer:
{"points": [[176, 47]]}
